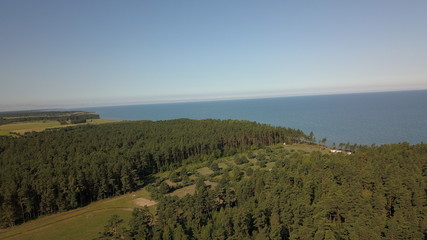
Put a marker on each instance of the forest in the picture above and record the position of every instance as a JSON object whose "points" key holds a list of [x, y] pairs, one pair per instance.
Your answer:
{"points": [[42, 173], [378, 192], [254, 186], [60, 116]]}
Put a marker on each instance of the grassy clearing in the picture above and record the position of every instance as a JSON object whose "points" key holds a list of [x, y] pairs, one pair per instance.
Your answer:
{"points": [[81, 223], [252, 160], [223, 165], [189, 189], [205, 171], [38, 126], [212, 184], [307, 148], [170, 183], [22, 127], [100, 121], [270, 165], [86, 226], [191, 167], [183, 191]]}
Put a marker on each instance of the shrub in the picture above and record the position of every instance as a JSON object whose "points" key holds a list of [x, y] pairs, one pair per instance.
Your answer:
{"points": [[214, 167], [261, 157], [249, 172], [164, 188], [174, 177], [251, 155], [240, 160], [237, 174]]}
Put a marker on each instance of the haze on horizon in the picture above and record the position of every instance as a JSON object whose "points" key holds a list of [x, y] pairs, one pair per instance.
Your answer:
{"points": [[90, 53]]}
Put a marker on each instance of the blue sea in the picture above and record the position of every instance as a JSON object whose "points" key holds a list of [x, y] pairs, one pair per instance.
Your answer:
{"points": [[362, 118]]}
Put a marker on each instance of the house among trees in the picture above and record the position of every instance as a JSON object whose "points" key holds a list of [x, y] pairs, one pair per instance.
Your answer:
{"points": [[338, 151]]}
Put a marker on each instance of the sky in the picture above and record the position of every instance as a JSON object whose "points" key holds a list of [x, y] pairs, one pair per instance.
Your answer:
{"points": [[98, 53]]}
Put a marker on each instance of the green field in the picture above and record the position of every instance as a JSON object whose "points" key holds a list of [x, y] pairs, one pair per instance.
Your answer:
{"points": [[81, 223], [38, 126], [205, 171]]}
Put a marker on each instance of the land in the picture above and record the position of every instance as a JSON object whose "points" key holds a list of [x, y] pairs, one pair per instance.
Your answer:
{"points": [[62, 169], [19, 123], [20, 128], [80, 223], [207, 179], [61, 116], [87, 222]]}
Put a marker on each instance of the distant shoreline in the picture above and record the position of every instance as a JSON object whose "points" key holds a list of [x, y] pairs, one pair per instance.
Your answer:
{"points": [[367, 118], [178, 101]]}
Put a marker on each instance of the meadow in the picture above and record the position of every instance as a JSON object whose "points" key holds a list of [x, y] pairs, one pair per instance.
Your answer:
{"points": [[19, 128]]}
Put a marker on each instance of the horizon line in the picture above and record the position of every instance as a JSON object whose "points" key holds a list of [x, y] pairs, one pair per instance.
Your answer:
{"points": [[195, 100]]}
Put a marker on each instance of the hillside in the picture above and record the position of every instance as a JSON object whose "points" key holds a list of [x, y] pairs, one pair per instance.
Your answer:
{"points": [[86, 222], [280, 193], [62, 169]]}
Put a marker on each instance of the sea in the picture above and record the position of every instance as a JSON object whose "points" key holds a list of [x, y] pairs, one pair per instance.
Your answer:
{"points": [[360, 118]]}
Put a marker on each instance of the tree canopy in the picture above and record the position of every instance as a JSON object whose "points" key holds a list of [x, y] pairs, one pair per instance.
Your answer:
{"points": [[376, 193]]}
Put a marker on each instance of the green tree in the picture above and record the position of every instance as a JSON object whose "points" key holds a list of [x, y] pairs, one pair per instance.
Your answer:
{"points": [[249, 171], [164, 188], [323, 141], [240, 159], [140, 224], [174, 177], [214, 167], [113, 230], [237, 174], [311, 138]]}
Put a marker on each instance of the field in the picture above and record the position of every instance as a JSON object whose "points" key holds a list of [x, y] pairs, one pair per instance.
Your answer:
{"points": [[88, 221], [81, 223], [38, 126], [205, 171]]}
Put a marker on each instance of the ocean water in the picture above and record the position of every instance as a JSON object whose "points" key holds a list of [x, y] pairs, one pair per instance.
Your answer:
{"points": [[363, 118]]}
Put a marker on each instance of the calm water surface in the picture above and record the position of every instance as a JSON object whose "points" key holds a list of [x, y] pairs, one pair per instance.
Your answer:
{"points": [[364, 118]]}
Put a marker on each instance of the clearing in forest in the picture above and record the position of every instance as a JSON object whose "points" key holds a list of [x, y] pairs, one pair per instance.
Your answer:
{"points": [[144, 202], [80, 223], [39, 126]]}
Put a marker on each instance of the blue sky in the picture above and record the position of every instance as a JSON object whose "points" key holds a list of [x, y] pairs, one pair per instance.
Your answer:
{"points": [[86, 53]]}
